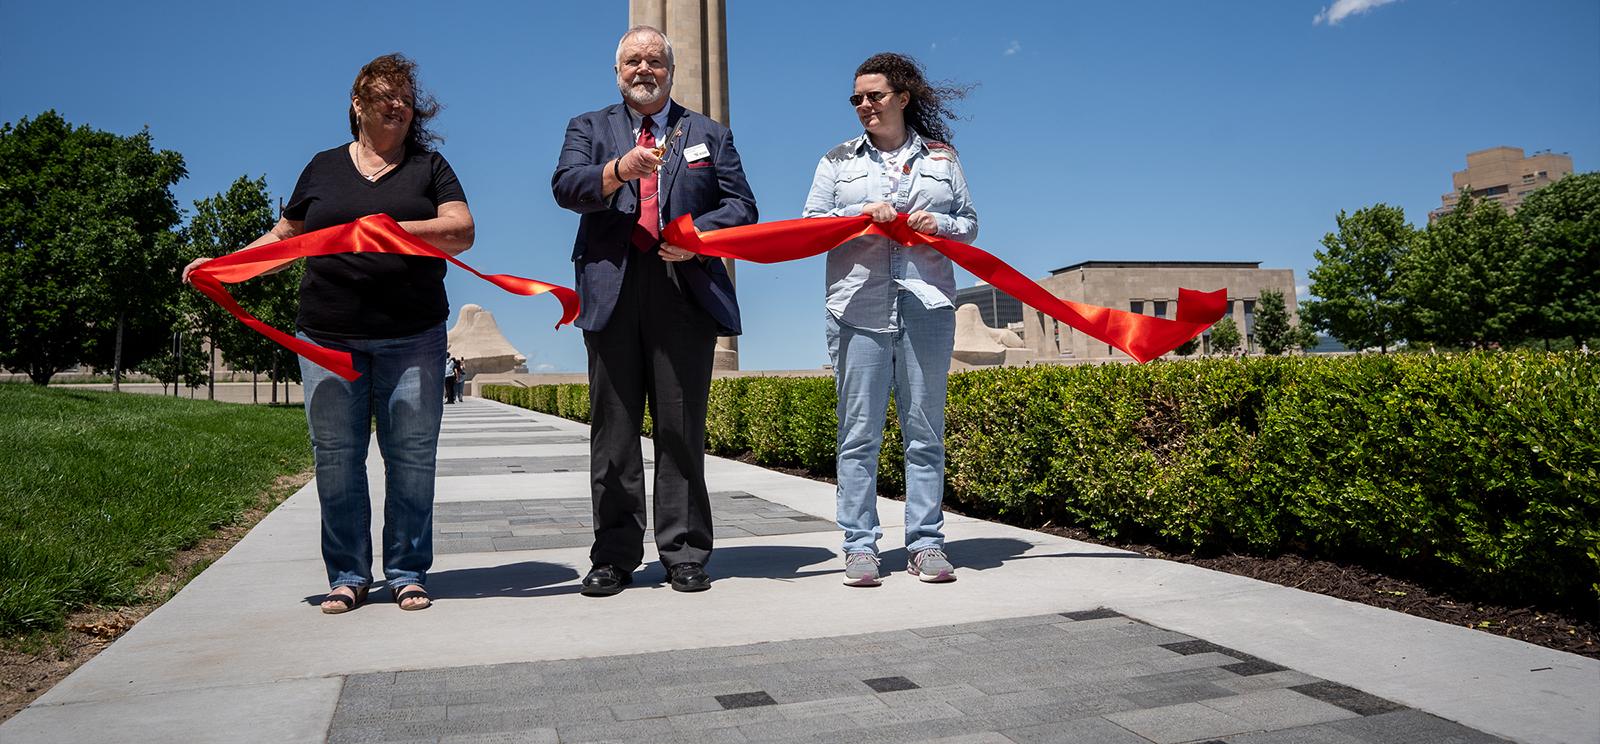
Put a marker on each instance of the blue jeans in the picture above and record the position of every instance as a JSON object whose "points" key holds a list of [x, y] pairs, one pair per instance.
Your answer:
{"points": [[399, 383], [914, 363]]}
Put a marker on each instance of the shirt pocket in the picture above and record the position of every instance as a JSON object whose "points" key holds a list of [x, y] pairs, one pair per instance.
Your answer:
{"points": [[849, 189], [934, 190]]}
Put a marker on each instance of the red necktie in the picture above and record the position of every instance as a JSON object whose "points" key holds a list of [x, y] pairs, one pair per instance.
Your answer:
{"points": [[648, 233]]}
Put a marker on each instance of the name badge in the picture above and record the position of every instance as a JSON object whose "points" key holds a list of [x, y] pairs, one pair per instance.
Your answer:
{"points": [[698, 152]]}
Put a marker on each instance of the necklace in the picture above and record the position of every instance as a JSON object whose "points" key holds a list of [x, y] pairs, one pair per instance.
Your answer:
{"points": [[373, 176]]}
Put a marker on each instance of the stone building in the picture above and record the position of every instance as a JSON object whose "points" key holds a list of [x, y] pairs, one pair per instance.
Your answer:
{"points": [[1503, 175], [1147, 288]]}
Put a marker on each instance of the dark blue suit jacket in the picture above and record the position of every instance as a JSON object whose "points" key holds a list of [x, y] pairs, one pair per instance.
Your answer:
{"points": [[713, 189]]}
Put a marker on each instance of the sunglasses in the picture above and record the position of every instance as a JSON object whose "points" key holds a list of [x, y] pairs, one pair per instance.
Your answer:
{"points": [[874, 96]]}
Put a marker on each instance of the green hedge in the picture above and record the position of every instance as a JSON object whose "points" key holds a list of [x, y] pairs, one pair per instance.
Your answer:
{"points": [[1483, 469]]}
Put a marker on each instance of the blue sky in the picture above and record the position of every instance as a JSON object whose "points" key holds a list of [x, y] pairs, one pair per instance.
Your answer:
{"points": [[1131, 130]]}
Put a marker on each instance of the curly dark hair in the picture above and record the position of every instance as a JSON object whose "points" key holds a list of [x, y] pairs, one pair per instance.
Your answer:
{"points": [[929, 109], [395, 71]]}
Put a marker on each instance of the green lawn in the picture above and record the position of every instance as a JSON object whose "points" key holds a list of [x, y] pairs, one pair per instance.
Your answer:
{"points": [[98, 490]]}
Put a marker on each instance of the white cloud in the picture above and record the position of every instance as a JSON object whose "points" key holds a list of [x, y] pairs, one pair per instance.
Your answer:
{"points": [[1302, 290], [545, 368], [933, 46], [1342, 9], [1016, 46]]}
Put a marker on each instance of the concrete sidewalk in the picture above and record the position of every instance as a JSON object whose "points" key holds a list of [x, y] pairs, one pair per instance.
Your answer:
{"points": [[1041, 639]]}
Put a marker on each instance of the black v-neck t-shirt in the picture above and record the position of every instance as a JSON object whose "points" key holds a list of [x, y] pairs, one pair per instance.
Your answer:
{"points": [[368, 295]]}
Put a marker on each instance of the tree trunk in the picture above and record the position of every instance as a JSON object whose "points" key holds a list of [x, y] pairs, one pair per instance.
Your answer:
{"points": [[255, 387], [211, 369], [116, 355], [275, 382]]}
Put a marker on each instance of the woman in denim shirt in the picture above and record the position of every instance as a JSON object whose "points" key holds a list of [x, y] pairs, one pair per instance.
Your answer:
{"points": [[891, 318]]}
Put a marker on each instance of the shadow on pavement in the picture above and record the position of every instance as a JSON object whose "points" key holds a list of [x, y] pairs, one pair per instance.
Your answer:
{"points": [[754, 562], [980, 553], [525, 579]]}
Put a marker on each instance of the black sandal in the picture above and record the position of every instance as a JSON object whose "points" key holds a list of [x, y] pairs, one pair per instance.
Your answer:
{"points": [[346, 603], [412, 591]]}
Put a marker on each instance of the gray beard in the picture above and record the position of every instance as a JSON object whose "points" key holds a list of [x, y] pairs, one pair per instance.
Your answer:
{"points": [[639, 97]]}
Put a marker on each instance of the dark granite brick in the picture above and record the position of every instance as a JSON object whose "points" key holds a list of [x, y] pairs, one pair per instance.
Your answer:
{"points": [[1257, 666], [890, 684], [745, 700], [1349, 698], [1095, 614]]}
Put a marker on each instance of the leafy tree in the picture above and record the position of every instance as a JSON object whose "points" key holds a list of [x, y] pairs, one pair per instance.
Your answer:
{"points": [[224, 223], [1303, 338], [1462, 283], [1273, 330], [145, 329], [1561, 225], [1225, 338], [1355, 278], [1188, 347], [135, 264], [81, 217], [186, 364]]}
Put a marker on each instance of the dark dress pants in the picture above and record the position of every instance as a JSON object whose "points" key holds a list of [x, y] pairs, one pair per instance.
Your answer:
{"points": [[657, 348]]}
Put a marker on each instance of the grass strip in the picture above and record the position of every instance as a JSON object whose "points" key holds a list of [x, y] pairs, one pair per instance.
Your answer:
{"points": [[99, 490]]}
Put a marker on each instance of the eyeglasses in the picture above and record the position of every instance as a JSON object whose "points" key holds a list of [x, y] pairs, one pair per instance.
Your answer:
{"points": [[648, 64], [874, 96]]}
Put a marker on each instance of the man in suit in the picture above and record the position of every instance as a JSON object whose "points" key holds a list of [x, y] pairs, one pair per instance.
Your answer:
{"points": [[651, 312]]}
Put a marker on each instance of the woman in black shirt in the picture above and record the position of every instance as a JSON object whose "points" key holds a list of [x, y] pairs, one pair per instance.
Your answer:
{"points": [[389, 312]]}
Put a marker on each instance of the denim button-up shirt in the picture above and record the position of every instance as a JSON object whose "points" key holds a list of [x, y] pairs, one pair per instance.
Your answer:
{"points": [[866, 274]]}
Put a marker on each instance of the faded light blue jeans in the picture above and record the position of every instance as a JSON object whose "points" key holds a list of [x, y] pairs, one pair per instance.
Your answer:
{"points": [[914, 363], [399, 384]]}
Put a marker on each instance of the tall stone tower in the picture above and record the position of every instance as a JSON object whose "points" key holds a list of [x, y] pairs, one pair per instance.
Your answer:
{"points": [[698, 30]]}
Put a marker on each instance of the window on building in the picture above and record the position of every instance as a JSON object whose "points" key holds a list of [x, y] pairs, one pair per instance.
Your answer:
{"points": [[1249, 317], [1161, 308], [1136, 307]]}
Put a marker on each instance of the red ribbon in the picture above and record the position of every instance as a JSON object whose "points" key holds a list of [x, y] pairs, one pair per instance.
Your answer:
{"points": [[377, 233], [1139, 336]]}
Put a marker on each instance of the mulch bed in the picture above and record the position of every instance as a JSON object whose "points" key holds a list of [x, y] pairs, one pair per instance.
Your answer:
{"points": [[1555, 630]]}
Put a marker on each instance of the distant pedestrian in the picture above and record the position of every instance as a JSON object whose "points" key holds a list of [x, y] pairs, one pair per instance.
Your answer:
{"points": [[389, 313], [449, 380], [459, 369], [891, 318]]}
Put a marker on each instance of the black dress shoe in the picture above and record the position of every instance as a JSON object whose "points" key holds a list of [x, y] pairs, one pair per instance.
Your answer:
{"points": [[605, 580], [689, 577]]}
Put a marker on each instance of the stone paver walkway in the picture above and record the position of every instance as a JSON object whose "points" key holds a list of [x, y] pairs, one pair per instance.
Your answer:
{"points": [[1042, 639], [1088, 676]]}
